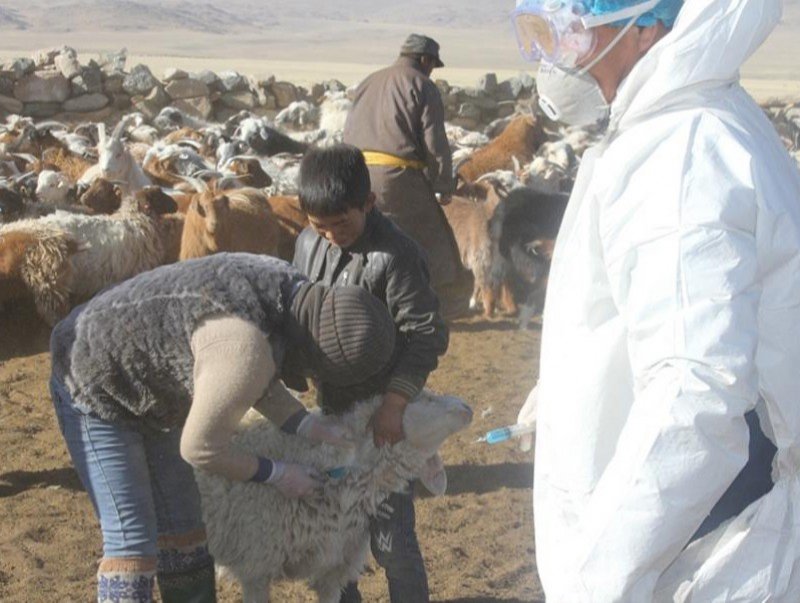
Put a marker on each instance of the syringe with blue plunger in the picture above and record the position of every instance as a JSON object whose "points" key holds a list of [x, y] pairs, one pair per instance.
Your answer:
{"points": [[501, 434]]}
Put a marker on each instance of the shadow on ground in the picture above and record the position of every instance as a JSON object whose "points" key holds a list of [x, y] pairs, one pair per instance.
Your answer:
{"points": [[481, 479], [481, 325], [22, 332], [489, 600], [16, 482]]}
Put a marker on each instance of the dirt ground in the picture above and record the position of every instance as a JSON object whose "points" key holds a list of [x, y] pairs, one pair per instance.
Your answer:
{"points": [[477, 539]]}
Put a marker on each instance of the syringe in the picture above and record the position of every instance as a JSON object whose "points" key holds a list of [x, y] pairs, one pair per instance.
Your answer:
{"points": [[501, 434]]}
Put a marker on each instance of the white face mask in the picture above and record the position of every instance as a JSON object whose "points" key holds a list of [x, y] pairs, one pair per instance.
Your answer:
{"points": [[574, 98]]}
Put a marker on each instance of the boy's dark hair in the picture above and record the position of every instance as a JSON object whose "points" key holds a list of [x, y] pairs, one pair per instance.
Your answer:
{"points": [[333, 180]]}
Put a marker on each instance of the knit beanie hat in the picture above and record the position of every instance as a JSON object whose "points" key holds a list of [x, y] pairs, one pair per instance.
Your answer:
{"points": [[347, 333]]}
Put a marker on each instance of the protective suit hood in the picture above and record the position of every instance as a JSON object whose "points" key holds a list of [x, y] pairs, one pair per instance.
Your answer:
{"points": [[710, 41]]}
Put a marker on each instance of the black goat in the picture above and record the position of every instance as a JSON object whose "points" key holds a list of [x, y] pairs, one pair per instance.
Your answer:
{"points": [[523, 229]]}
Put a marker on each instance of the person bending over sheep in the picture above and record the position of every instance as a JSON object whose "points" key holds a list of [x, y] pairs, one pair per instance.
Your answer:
{"points": [[350, 242], [151, 378]]}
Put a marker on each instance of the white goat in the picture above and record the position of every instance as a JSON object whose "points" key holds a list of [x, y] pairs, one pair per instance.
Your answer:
{"points": [[116, 162], [257, 535]]}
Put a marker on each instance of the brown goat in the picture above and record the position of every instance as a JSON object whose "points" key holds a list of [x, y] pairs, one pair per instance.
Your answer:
{"points": [[468, 214], [520, 140], [291, 219], [238, 220]]}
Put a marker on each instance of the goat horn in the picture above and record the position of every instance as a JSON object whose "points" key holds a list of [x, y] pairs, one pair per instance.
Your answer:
{"points": [[26, 156], [123, 124], [49, 125], [222, 183], [209, 173], [21, 177], [199, 185], [190, 143]]}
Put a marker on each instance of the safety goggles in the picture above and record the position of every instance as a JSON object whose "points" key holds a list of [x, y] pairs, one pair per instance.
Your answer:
{"points": [[562, 31]]}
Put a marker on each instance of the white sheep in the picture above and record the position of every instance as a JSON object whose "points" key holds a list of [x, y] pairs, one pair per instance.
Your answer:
{"points": [[115, 247], [116, 162], [54, 187], [332, 116], [461, 137], [553, 169], [257, 535], [170, 118], [298, 115], [333, 112], [284, 169]]}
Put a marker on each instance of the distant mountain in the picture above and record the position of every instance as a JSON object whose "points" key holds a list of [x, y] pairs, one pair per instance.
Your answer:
{"points": [[11, 19], [217, 16], [130, 15]]}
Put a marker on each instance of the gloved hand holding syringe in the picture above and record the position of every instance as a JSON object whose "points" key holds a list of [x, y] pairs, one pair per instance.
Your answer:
{"points": [[503, 434], [524, 428]]}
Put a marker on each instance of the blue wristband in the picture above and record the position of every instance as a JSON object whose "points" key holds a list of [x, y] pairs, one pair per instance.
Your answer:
{"points": [[265, 468]]}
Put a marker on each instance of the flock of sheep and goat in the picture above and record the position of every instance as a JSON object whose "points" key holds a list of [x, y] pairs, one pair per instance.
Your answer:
{"points": [[82, 208]]}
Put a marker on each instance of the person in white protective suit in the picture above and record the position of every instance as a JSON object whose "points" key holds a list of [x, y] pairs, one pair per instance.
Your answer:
{"points": [[672, 313]]}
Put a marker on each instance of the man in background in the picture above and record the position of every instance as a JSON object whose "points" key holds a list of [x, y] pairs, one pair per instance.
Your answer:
{"points": [[397, 120]]}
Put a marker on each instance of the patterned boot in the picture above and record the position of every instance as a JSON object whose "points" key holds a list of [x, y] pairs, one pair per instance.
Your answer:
{"points": [[186, 569], [128, 580]]}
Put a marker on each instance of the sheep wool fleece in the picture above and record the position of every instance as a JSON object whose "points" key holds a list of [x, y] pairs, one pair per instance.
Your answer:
{"points": [[126, 354]]}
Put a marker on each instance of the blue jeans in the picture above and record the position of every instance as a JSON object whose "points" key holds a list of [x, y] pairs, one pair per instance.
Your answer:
{"points": [[394, 545], [138, 483]]}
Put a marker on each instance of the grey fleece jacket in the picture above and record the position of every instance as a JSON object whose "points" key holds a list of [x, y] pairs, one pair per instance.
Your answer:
{"points": [[126, 354]]}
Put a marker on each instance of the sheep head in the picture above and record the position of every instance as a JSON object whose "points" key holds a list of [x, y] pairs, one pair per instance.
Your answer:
{"points": [[432, 418], [102, 197], [427, 422], [54, 187]]}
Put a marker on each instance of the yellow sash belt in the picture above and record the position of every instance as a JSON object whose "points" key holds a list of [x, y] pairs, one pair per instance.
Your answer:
{"points": [[385, 159]]}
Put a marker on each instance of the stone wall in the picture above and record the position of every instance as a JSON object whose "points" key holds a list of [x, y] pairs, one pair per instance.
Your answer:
{"points": [[55, 84]]}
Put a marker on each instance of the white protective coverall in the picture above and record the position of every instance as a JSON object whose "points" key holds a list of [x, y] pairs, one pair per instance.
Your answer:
{"points": [[673, 306]]}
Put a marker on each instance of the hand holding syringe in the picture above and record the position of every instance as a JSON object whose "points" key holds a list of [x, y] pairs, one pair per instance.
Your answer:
{"points": [[502, 434]]}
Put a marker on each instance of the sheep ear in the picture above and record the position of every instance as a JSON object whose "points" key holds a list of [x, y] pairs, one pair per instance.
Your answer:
{"points": [[434, 476]]}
